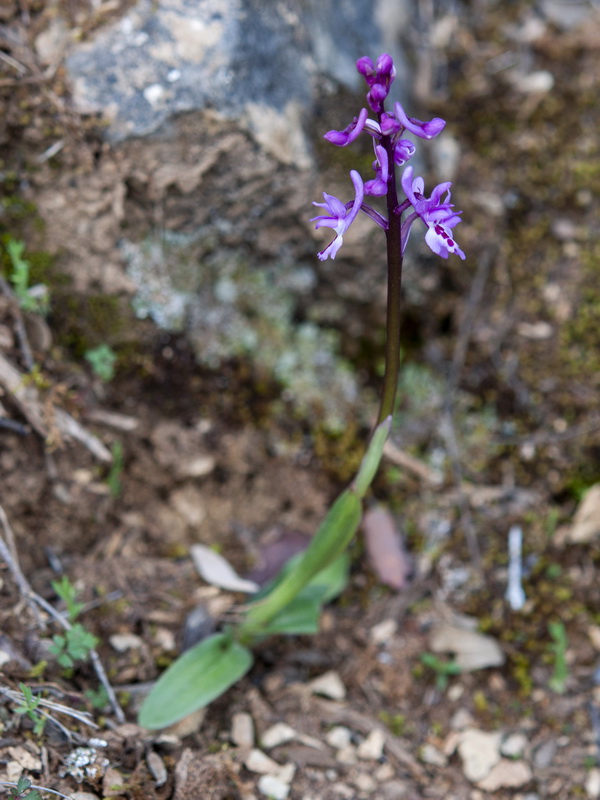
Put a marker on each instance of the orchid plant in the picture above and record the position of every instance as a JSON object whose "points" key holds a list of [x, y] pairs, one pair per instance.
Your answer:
{"points": [[292, 603]]}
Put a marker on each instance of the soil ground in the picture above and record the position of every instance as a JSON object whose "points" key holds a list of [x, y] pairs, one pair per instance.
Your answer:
{"points": [[208, 457]]}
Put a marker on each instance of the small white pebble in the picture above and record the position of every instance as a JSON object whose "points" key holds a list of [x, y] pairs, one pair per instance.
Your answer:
{"points": [[165, 639], [346, 755], [329, 685], [157, 767], [242, 730], [273, 788], [339, 737], [84, 796], [383, 632], [286, 773], [258, 761], [384, 773], [122, 642], [592, 783], [514, 745], [365, 783], [277, 734], [431, 755], [372, 747], [153, 93]]}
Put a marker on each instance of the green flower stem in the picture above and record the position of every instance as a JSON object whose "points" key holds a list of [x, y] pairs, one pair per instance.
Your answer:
{"points": [[394, 260]]}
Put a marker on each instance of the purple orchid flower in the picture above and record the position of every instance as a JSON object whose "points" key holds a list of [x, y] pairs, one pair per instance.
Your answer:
{"points": [[439, 216], [424, 130], [340, 217]]}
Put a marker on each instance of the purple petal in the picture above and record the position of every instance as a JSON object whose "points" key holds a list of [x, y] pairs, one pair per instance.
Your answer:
{"points": [[349, 134], [403, 151], [424, 130]]}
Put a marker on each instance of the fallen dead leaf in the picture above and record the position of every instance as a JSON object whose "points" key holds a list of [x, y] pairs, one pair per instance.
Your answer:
{"points": [[219, 572], [472, 650], [385, 548]]}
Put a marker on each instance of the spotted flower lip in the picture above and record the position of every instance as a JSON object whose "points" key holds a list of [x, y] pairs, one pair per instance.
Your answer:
{"points": [[438, 215], [340, 216], [424, 130]]}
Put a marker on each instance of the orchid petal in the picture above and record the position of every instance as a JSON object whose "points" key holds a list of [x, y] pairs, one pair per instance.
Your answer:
{"points": [[424, 130], [349, 134]]}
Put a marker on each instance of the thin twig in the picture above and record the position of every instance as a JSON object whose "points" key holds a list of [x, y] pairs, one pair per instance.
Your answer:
{"points": [[59, 708], [39, 788], [411, 464], [19, 325], [29, 595], [25, 395], [9, 554]]}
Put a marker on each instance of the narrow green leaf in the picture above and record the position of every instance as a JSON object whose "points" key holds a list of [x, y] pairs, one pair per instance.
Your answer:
{"points": [[330, 541], [202, 674], [334, 578], [301, 616]]}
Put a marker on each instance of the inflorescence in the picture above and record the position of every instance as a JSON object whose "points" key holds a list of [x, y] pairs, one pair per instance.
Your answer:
{"points": [[436, 211]]}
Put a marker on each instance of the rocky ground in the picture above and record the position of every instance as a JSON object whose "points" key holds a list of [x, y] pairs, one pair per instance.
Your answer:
{"points": [[437, 686]]}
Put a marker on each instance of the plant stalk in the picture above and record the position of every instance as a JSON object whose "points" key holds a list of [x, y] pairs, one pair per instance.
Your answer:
{"points": [[394, 260]]}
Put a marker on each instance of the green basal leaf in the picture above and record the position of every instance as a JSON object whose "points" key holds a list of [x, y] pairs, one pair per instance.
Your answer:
{"points": [[200, 675], [334, 578], [301, 616], [328, 544]]}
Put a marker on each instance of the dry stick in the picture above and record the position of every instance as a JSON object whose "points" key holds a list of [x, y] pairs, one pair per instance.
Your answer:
{"points": [[39, 788], [31, 597], [19, 325], [9, 553], [447, 427], [82, 716], [26, 397]]}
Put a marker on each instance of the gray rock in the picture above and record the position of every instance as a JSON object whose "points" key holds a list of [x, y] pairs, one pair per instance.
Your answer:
{"points": [[198, 204], [235, 56]]}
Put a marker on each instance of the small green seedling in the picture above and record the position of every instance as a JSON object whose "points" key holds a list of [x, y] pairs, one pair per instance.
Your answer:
{"points": [[75, 645], [30, 298], [102, 360], [29, 706], [67, 593], [98, 698], [113, 479], [22, 790], [558, 681], [443, 669]]}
